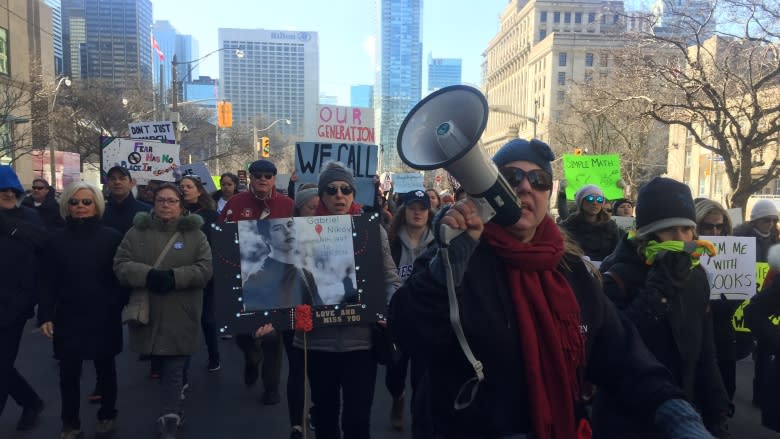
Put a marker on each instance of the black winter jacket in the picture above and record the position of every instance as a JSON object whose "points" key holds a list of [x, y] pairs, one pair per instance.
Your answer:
{"points": [[678, 331], [757, 318], [120, 215], [598, 240], [617, 361], [81, 294], [17, 271], [49, 211]]}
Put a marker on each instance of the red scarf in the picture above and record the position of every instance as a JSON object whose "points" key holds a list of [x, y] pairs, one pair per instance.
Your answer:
{"points": [[548, 318], [321, 210]]}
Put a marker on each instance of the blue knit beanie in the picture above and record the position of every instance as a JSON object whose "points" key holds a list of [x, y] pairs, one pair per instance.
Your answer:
{"points": [[534, 151], [9, 180]]}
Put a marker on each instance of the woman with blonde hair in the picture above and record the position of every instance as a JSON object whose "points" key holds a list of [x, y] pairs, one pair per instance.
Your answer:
{"points": [[81, 305]]}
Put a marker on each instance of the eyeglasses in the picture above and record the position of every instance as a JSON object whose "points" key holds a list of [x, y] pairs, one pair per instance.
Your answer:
{"points": [[539, 180], [345, 190], [263, 175], [39, 188], [594, 199], [710, 226], [83, 201], [168, 201]]}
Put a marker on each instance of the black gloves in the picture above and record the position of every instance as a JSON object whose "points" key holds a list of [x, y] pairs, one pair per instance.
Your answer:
{"points": [[669, 273], [160, 281]]}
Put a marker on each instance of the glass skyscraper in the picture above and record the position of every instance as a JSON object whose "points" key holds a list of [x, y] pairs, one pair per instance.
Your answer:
{"points": [[56, 30], [186, 49], [399, 79], [361, 96], [276, 78], [443, 72], [108, 39]]}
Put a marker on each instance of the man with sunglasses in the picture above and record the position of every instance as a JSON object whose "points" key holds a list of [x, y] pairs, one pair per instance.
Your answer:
{"points": [[536, 320], [261, 201], [42, 200]]}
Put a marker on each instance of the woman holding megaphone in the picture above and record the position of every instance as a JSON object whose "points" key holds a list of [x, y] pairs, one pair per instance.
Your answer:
{"points": [[536, 326]]}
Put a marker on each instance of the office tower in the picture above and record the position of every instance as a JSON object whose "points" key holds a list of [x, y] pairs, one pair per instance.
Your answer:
{"points": [[277, 76], [361, 96], [201, 92], [399, 79], [96, 46], [443, 72], [543, 47], [171, 43], [56, 30], [681, 19]]}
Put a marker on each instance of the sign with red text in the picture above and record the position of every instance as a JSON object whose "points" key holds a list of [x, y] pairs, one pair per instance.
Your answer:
{"points": [[339, 124], [145, 159]]}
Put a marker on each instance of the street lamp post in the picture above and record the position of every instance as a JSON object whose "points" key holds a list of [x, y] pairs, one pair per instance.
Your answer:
{"points": [[190, 65], [255, 131], [52, 162], [506, 109]]}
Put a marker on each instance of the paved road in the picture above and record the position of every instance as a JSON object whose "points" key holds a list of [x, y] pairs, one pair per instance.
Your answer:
{"points": [[218, 404]]}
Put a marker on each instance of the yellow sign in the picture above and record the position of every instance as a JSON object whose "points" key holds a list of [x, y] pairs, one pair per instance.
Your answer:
{"points": [[762, 268]]}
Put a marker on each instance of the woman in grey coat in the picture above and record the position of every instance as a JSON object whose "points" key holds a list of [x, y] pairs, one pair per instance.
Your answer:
{"points": [[175, 288]]}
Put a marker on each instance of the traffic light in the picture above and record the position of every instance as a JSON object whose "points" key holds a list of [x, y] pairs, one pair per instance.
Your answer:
{"points": [[224, 114], [577, 151], [266, 143]]}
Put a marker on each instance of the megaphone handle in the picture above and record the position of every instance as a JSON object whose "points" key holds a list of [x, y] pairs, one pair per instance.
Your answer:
{"points": [[485, 212]]}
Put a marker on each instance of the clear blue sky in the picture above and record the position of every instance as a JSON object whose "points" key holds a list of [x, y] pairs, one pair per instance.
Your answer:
{"points": [[451, 29]]}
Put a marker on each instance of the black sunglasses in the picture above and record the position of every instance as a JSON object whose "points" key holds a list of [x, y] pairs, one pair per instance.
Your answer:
{"points": [[263, 175], [594, 198], [346, 190], [539, 180], [710, 226], [83, 201]]}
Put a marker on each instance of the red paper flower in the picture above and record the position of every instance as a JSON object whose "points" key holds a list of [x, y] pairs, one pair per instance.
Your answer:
{"points": [[303, 320]]}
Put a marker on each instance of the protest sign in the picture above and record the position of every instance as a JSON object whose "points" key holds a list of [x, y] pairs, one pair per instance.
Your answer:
{"points": [[145, 159], [333, 263], [407, 182], [160, 131], [311, 157], [735, 215], [601, 170], [344, 124], [762, 269], [625, 223], [200, 170], [732, 272]]}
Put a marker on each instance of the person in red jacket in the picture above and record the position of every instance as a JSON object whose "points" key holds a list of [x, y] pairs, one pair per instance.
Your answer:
{"points": [[261, 201]]}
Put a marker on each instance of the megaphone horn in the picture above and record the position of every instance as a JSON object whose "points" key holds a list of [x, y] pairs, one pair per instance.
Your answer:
{"points": [[443, 131]]}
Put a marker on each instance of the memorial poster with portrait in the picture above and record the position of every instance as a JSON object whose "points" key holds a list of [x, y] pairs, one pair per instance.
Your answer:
{"points": [[263, 269]]}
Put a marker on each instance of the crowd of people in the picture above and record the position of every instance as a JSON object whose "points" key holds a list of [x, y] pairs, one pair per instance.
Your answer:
{"points": [[510, 332]]}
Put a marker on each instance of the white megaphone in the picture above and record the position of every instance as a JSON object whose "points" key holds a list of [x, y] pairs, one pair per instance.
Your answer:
{"points": [[442, 131]]}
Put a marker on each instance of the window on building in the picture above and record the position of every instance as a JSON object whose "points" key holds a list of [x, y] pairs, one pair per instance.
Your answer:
{"points": [[603, 19], [543, 17], [603, 76], [561, 78], [615, 18], [556, 17], [588, 60], [588, 77], [567, 17], [591, 17], [603, 59], [577, 17], [777, 186], [562, 59], [4, 64], [542, 34], [561, 96]]}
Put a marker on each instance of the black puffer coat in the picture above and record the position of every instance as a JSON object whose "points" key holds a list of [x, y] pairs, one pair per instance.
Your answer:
{"points": [[677, 332], [17, 271], [598, 240], [81, 294], [757, 318]]}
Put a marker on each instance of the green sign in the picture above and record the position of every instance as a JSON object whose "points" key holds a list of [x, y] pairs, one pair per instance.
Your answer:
{"points": [[601, 170]]}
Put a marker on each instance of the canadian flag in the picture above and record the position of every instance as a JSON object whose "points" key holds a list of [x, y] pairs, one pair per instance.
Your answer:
{"points": [[156, 47]]}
